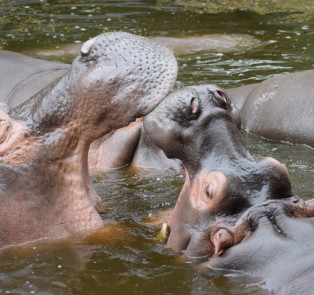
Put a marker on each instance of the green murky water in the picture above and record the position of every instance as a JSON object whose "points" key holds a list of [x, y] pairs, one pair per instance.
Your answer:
{"points": [[277, 37]]}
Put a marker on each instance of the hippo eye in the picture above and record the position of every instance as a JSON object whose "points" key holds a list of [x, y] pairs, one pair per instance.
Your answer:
{"points": [[208, 194]]}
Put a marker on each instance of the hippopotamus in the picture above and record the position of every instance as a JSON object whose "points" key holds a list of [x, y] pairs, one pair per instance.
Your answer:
{"points": [[279, 108], [236, 212], [45, 189], [198, 126]]}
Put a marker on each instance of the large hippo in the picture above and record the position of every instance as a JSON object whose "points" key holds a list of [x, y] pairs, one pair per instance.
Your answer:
{"points": [[197, 126], [45, 190], [280, 108]]}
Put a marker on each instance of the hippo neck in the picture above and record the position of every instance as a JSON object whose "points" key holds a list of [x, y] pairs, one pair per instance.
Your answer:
{"points": [[54, 201], [56, 103]]}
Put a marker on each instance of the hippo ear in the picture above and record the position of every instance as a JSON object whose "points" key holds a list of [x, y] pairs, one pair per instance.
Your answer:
{"points": [[220, 99], [86, 47], [195, 106]]}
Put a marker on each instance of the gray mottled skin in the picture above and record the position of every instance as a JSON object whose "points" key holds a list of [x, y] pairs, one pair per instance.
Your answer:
{"points": [[280, 108], [44, 180], [197, 126]]}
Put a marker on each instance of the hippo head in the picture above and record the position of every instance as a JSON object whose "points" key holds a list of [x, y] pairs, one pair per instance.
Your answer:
{"points": [[44, 141], [197, 125]]}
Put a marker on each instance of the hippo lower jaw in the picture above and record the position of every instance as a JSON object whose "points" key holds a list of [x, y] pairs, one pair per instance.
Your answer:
{"points": [[273, 241]]}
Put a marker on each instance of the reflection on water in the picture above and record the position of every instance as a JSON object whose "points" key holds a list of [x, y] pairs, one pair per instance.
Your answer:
{"points": [[139, 263]]}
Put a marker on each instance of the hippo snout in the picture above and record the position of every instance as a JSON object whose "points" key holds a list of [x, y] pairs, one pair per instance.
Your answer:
{"points": [[190, 223]]}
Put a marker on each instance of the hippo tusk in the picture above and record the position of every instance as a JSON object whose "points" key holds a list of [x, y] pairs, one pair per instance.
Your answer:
{"points": [[163, 233]]}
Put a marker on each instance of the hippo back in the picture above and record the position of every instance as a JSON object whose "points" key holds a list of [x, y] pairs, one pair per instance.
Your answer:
{"points": [[22, 76]]}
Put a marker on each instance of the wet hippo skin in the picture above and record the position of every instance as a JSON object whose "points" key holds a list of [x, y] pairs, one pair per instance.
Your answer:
{"points": [[44, 180], [23, 76], [197, 125], [280, 108]]}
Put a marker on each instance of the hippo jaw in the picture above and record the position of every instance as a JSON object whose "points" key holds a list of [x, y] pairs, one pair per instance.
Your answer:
{"points": [[119, 77], [196, 125]]}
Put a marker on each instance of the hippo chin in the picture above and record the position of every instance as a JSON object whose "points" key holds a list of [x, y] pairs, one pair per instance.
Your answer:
{"points": [[198, 126], [44, 181]]}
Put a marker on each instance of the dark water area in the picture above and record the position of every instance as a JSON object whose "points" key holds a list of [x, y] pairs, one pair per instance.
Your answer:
{"points": [[276, 37]]}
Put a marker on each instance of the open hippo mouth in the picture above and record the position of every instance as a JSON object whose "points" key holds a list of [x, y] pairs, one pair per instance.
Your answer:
{"points": [[198, 126], [44, 142]]}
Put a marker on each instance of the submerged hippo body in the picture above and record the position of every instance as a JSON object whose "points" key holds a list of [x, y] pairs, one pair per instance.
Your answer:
{"points": [[280, 108], [197, 126], [44, 181], [23, 76]]}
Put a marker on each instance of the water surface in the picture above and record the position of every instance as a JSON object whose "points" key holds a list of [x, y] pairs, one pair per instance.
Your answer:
{"points": [[277, 38]]}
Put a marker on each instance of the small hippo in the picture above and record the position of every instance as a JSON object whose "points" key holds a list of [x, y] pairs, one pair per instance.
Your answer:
{"points": [[197, 125], [236, 210]]}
